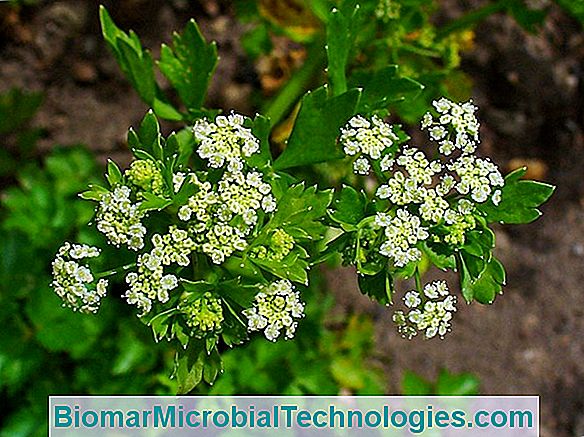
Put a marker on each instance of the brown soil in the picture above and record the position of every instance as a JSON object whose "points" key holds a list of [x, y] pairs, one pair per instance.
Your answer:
{"points": [[530, 90]]}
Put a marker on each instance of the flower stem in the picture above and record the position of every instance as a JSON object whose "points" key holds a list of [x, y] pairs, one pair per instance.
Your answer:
{"points": [[115, 271], [418, 280]]}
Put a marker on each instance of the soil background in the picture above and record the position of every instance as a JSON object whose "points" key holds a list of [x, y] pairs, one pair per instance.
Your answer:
{"points": [[530, 90]]}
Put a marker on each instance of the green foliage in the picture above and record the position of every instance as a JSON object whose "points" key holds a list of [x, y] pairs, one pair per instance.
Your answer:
{"points": [[520, 200], [313, 138], [342, 25], [574, 8], [447, 384], [321, 361], [46, 349], [215, 233], [188, 65]]}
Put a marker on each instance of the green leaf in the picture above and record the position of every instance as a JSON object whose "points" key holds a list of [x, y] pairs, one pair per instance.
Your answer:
{"points": [[182, 142], [189, 65], [139, 68], [340, 37], [261, 129], [528, 18], [461, 384], [414, 385], [242, 295], [137, 65], [212, 367], [149, 133], [292, 267], [95, 192], [161, 323], [301, 208], [189, 365], [382, 88], [114, 175], [486, 286], [314, 135], [520, 200], [441, 257], [153, 202], [350, 206], [378, 287]]}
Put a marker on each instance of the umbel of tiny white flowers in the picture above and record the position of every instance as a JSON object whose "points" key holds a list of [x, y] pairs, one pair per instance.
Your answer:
{"points": [[150, 283], [120, 220], [367, 139], [425, 193], [226, 140], [73, 282], [275, 308], [429, 312]]}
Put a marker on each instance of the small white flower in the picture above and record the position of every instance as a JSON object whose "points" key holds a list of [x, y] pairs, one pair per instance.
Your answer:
{"points": [[412, 299], [361, 166], [496, 199], [275, 308]]}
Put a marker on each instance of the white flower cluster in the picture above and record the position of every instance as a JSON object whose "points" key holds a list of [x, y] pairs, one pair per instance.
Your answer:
{"points": [[225, 141], [120, 220], [442, 191], [275, 308], [477, 177], [430, 312], [456, 127], [401, 189], [150, 283], [402, 233], [73, 282], [222, 216], [368, 138]]}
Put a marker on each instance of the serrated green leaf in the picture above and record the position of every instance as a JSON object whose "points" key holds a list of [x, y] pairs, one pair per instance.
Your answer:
{"points": [[95, 192], [314, 135], [139, 68], [350, 206], [137, 65], [189, 366], [212, 367], [382, 88], [189, 65], [293, 267], [378, 286], [484, 287], [520, 200], [149, 132]]}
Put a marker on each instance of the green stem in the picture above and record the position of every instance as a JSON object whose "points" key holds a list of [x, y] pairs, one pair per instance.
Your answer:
{"points": [[282, 104], [115, 271], [418, 281], [473, 17]]}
